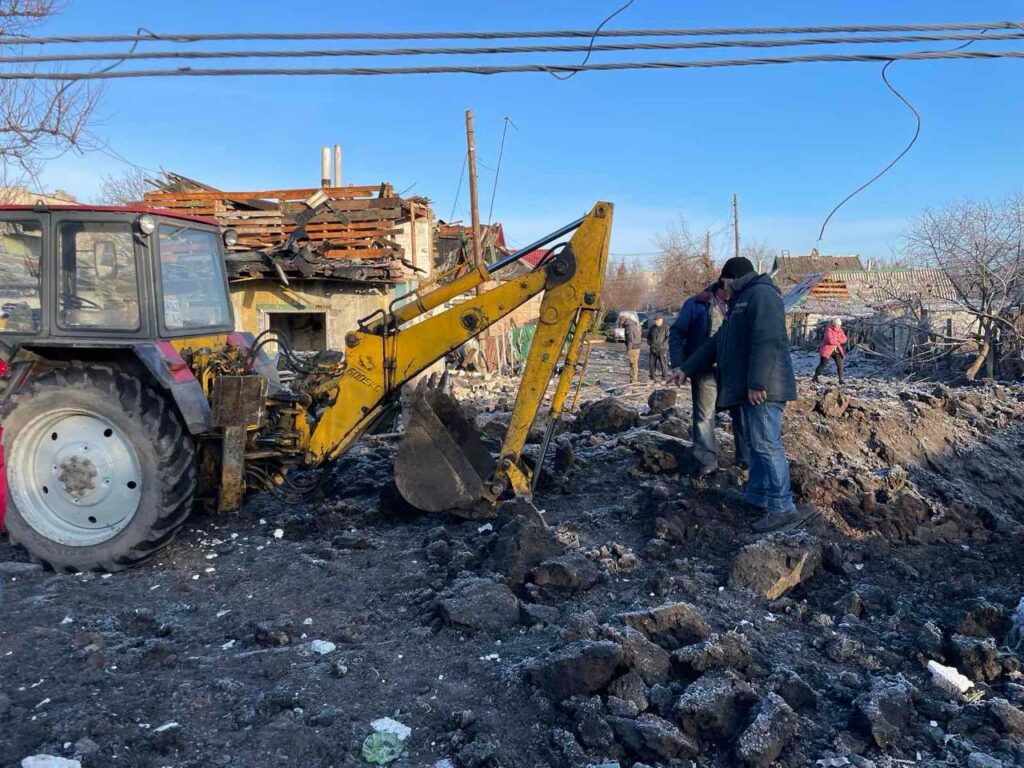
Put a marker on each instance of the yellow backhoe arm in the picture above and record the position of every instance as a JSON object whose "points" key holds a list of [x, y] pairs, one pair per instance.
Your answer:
{"points": [[385, 354]]}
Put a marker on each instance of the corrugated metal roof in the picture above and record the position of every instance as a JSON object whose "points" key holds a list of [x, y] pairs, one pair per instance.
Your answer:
{"points": [[792, 269]]}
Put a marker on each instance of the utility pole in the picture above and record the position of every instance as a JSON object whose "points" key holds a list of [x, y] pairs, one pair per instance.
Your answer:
{"points": [[736, 222], [474, 206], [707, 246]]}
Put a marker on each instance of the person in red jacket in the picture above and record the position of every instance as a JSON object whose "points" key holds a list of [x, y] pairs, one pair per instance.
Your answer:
{"points": [[832, 349]]}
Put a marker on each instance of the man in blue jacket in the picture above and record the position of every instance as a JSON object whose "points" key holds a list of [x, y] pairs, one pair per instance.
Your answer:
{"points": [[698, 320], [751, 351]]}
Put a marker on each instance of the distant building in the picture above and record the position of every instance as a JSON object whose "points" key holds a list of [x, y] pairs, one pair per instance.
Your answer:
{"points": [[889, 310], [20, 195], [790, 270]]}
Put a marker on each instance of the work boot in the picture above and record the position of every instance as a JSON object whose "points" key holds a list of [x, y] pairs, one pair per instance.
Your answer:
{"points": [[784, 521], [814, 379]]}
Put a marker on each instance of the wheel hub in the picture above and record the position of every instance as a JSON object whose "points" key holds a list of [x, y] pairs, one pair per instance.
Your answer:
{"points": [[76, 476]]}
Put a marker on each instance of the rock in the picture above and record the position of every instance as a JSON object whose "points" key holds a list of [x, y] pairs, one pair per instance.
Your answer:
{"points": [[776, 564], [661, 400], [985, 619], [981, 760], [274, 634], [976, 657], [86, 746], [713, 706], [481, 604], [649, 736], [675, 428], [1006, 718], [773, 728], [630, 687], [659, 452], [478, 754], [609, 415], [672, 624], [338, 670], [621, 708], [438, 552], [593, 730], [833, 403], [794, 689], [648, 659], [520, 546], [567, 750], [49, 761], [11, 568], [948, 678], [583, 667], [567, 573], [533, 613], [5, 704], [730, 650], [322, 647], [884, 712]]}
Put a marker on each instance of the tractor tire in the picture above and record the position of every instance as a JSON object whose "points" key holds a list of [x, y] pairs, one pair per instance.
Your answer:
{"points": [[101, 471]]}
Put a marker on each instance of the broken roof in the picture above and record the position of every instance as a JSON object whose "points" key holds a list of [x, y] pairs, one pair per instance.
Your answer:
{"points": [[790, 270], [864, 291]]}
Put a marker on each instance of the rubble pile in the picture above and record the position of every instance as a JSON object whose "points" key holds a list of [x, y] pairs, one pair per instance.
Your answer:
{"points": [[636, 621]]}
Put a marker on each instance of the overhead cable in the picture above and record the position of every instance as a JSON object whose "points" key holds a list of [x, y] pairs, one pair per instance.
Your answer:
{"points": [[509, 68], [509, 49], [497, 35], [593, 37]]}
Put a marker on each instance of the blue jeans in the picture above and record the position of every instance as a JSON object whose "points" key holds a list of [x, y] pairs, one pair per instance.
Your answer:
{"points": [[768, 483], [704, 390]]}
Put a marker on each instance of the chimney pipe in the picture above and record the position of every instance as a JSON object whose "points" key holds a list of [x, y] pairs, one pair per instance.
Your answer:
{"points": [[337, 165], [325, 166]]}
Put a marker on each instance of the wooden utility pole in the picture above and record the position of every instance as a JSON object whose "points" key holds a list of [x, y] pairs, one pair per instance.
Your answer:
{"points": [[474, 204], [707, 245], [736, 223]]}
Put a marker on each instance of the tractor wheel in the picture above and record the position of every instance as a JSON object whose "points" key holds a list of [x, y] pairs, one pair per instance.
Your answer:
{"points": [[101, 471]]}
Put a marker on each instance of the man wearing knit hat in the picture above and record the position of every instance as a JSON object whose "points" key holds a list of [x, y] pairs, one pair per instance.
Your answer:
{"points": [[756, 373]]}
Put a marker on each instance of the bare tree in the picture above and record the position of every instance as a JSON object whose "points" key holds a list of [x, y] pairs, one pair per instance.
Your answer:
{"points": [[761, 255], [625, 288], [38, 118], [979, 246], [682, 267], [126, 189]]}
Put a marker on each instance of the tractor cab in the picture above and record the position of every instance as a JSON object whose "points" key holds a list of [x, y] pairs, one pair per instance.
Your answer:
{"points": [[78, 274]]}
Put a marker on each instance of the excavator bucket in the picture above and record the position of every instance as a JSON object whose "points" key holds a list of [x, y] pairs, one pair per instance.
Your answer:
{"points": [[442, 464]]}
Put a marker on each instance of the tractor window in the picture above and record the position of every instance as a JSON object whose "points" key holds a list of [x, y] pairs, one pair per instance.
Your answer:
{"points": [[99, 286], [192, 278], [21, 244]]}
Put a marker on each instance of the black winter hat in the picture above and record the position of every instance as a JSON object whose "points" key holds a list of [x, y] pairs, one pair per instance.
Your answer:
{"points": [[735, 267]]}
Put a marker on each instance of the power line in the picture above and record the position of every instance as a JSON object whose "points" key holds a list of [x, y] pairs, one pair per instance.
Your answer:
{"points": [[510, 68], [511, 49], [501, 152], [498, 35], [593, 37], [902, 154], [458, 190]]}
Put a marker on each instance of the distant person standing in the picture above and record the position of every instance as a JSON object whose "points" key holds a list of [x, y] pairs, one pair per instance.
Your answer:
{"points": [[657, 346], [832, 349], [633, 336]]}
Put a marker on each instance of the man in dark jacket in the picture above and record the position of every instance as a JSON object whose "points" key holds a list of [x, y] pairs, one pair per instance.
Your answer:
{"points": [[633, 336], [698, 320], [657, 347], [756, 373]]}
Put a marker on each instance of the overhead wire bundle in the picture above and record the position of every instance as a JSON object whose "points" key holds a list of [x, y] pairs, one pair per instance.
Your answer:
{"points": [[87, 49]]}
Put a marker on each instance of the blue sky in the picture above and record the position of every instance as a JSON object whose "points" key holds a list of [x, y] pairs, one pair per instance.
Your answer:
{"points": [[791, 141]]}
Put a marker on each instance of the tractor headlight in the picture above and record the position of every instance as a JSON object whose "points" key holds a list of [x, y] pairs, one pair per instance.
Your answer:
{"points": [[230, 237], [146, 224]]}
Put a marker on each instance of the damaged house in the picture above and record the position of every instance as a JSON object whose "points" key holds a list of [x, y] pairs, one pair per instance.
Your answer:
{"points": [[311, 262], [888, 310]]}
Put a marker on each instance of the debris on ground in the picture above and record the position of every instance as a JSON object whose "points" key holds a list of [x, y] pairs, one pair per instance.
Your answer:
{"points": [[638, 622]]}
